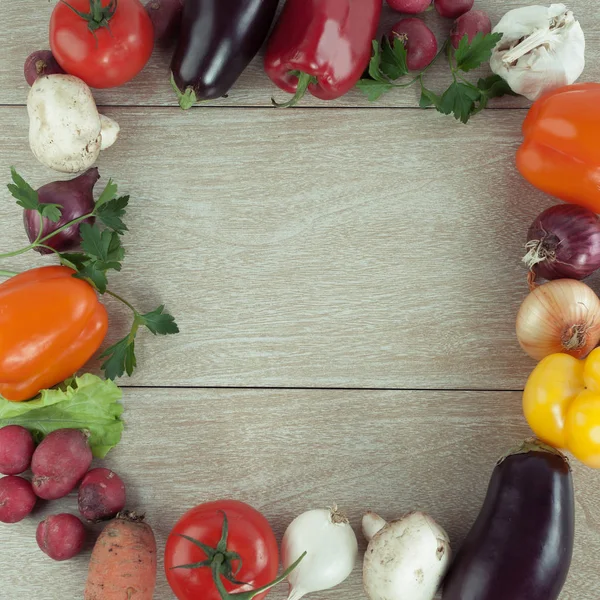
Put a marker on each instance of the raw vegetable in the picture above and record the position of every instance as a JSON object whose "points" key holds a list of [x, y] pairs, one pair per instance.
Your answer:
{"points": [[451, 9], [101, 495], [59, 462], [470, 24], [222, 550], [406, 559], [564, 241], [17, 499], [216, 43], [101, 252], [75, 199], [322, 47], [166, 19], [560, 316], [410, 7], [541, 49], [50, 326], [331, 551], [419, 41], [88, 403], [67, 136], [521, 543], [462, 99], [564, 161], [103, 42], [123, 563], [40, 63], [61, 537], [561, 403], [16, 449]]}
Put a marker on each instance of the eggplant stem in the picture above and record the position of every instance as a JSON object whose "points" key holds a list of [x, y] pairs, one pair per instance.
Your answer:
{"points": [[186, 99], [304, 80], [534, 445]]}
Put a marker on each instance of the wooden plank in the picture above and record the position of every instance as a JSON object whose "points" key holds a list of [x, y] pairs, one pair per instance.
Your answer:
{"points": [[344, 248], [289, 451], [22, 33]]}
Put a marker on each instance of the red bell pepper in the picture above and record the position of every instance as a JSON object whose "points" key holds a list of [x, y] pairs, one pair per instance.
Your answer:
{"points": [[322, 46]]}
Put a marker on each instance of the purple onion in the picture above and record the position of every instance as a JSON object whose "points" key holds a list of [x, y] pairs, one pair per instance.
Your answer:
{"points": [[564, 242], [76, 199], [40, 63], [166, 19]]}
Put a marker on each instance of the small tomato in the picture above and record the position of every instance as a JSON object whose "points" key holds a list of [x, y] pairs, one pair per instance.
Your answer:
{"points": [[247, 535], [103, 42]]}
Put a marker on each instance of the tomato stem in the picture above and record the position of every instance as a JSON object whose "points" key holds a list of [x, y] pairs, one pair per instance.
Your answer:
{"points": [[99, 16]]}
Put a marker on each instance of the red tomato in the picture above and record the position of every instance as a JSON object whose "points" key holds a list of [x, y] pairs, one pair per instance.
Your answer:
{"points": [[250, 535], [112, 54]]}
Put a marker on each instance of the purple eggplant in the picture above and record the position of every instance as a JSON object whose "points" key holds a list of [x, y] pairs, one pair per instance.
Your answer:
{"points": [[521, 544], [217, 41], [75, 198]]}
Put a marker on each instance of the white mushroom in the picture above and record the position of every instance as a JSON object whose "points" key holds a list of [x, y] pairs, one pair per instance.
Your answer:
{"points": [[66, 133], [405, 559]]}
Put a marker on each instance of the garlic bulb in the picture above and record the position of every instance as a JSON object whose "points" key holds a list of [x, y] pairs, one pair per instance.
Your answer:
{"points": [[541, 49]]}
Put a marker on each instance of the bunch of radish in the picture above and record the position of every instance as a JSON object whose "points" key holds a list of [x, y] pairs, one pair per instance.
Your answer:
{"points": [[58, 464], [420, 42]]}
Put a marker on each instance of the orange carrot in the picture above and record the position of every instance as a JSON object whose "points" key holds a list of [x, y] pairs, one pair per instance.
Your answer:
{"points": [[123, 563]]}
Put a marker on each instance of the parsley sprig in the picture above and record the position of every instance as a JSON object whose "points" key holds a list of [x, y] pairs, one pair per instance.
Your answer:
{"points": [[462, 99], [101, 252]]}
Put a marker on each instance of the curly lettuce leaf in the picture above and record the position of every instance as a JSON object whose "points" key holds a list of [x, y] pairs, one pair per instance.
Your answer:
{"points": [[87, 402]]}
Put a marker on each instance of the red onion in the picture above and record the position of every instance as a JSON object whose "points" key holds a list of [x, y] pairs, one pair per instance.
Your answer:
{"points": [[564, 242], [40, 63], [76, 199]]}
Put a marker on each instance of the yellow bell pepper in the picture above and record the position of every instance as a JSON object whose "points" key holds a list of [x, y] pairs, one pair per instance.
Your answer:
{"points": [[561, 403]]}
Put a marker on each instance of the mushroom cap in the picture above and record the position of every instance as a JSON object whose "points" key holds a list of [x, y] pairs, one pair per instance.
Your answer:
{"points": [[64, 124]]}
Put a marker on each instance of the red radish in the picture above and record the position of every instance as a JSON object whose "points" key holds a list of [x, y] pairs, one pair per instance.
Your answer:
{"points": [[101, 495], [16, 450], [40, 63], [419, 41], [59, 462], [61, 537], [471, 23], [411, 7], [451, 9], [16, 499]]}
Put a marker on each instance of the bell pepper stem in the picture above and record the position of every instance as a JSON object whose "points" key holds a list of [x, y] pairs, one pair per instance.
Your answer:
{"points": [[304, 80], [8, 273]]}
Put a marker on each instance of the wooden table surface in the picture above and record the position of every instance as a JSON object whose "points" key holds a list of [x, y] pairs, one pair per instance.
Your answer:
{"points": [[346, 278]]}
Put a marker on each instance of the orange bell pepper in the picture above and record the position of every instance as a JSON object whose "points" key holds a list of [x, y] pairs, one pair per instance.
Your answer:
{"points": [[50, 326], [561, 153]]}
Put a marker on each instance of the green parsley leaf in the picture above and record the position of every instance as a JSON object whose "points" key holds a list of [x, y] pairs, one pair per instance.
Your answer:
{"points": [[93, 274], [374, 89], [494, 86], [375, 64], [111, 214], [428, 98], [459, 99], [28, 198], [393, 58], [74, 260], [108, 194], [159, 322], [120, 358], [469, 56]]}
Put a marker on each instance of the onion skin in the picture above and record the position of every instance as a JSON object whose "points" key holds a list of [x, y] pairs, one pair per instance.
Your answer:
{"points": [[560, 316], [76, 199], [564, 242]]}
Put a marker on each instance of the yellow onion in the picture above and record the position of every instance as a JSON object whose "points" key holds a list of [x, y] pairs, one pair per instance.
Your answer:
{"points": [[559, 316]]}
